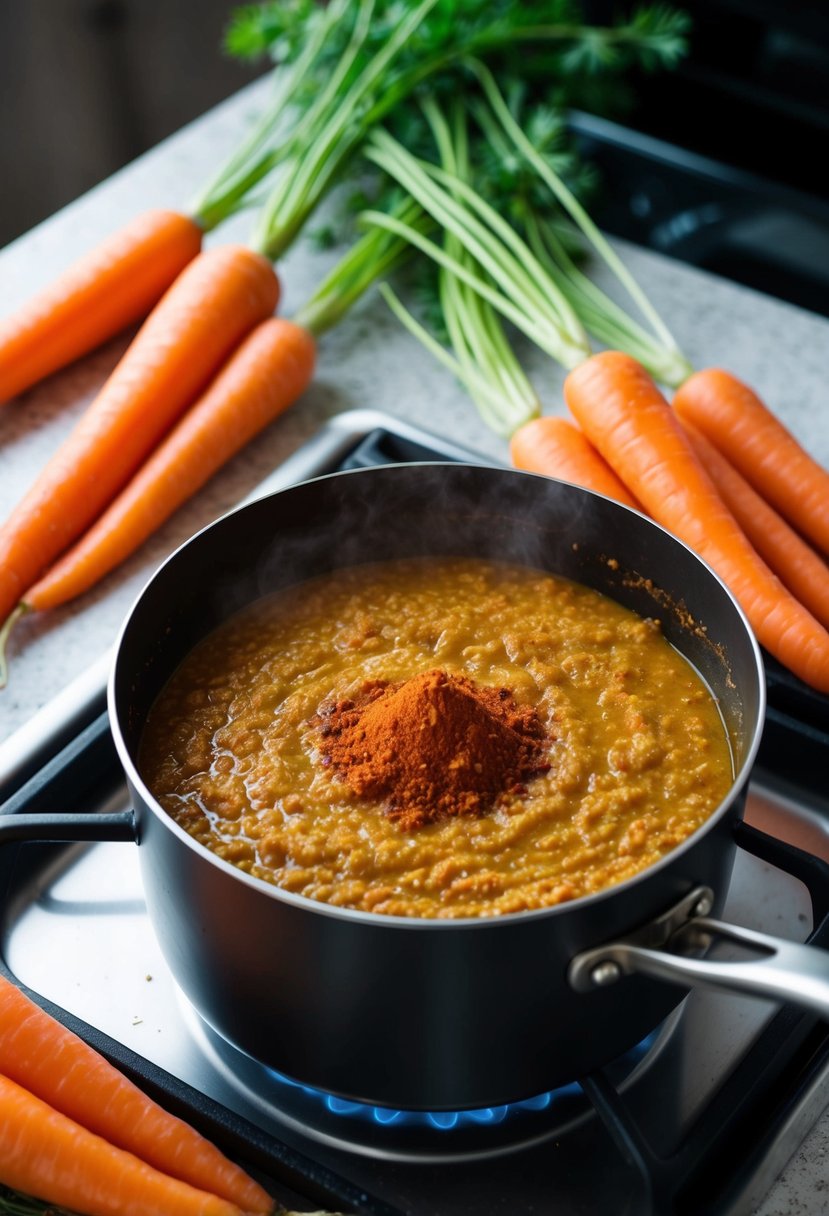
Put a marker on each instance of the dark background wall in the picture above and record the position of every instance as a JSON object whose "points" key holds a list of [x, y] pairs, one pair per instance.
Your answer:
{"points": [[88, 85]]}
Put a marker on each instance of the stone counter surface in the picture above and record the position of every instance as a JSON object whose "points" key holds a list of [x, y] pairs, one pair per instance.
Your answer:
{"points": [[369, 361]]}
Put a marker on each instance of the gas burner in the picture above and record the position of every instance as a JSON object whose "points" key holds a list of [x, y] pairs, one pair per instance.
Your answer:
{"points": [[425, 1136]]}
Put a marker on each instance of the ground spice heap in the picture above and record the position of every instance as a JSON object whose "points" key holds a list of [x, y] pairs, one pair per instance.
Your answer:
{"points": [[433, 746]]}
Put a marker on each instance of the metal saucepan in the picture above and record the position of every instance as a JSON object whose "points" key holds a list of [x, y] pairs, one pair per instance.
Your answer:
{"points": [[446, 1014]]}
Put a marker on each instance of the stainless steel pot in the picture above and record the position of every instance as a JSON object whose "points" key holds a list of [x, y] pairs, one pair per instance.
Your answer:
{"points": [[434, 1014]]}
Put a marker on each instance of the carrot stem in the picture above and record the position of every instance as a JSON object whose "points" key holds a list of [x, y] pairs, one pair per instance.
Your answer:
{"points": [[220, 296], [601, 316], [267, 373], [488, 397], [252, 161], [311, 168], [474, 328], [743, 428], [517, 295], [376, 253], [574, 208]]}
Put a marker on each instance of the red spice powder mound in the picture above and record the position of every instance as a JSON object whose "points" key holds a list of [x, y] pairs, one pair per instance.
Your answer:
{"points": [[433, 746]]}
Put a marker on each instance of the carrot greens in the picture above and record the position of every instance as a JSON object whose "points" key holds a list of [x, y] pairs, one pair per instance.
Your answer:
{"points": [[367, 62], [473, 326], [378, 252], [532, 302], [367, 59], [493, 273], [543, 272], [483, 360], [496, 209]]}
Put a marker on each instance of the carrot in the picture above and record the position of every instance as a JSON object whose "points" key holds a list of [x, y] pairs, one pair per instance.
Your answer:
{"points": [[267, 373], [215, 301], [793, 561], [109, 288], [556, 448], [624, 415], [735, 420], [47, 1155], [56, 1066]]}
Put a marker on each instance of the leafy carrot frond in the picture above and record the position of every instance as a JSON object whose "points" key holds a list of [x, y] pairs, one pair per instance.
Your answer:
{"points": [[660, 35], [405, 46], [256, 30]]}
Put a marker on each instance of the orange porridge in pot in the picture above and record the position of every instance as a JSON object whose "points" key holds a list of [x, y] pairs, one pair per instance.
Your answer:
{"points": [[564, 745]]}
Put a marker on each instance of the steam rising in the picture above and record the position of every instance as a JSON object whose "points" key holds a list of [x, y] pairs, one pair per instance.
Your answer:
{"points": [[418, 510]]}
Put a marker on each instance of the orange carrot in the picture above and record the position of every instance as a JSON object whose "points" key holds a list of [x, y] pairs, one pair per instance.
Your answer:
{"points": [[267, 373], [735, 420], [109, 288], [556, 448], [56, 1066], [794, 562], [48, 1156], [212, 305], [625, 416]]}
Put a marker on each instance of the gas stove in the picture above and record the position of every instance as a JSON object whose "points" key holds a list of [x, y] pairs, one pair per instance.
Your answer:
{"points": [[700, 1117]]}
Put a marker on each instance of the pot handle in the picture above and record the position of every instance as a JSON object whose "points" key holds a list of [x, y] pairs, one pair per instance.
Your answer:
{"points": [[665, 949], [55, 826]]}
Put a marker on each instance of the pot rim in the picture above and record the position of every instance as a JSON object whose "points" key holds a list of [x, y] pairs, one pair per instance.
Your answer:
{"points": [[432, 924]]}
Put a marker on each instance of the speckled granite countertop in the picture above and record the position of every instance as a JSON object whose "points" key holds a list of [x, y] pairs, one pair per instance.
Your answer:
{"points": [[368, 361]]}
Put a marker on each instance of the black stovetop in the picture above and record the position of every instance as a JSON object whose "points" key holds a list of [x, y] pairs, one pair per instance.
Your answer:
{"points": [[700, 1119]]}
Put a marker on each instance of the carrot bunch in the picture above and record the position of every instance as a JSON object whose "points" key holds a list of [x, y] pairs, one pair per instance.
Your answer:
{"points": [[209, 369], [76, 1133], [712, 470]]}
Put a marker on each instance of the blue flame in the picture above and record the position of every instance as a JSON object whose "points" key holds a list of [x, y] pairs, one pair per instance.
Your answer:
{"points": [[447, 1121]]}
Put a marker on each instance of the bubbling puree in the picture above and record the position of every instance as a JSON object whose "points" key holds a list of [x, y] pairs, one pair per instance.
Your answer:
{"points": [[437, 738]]}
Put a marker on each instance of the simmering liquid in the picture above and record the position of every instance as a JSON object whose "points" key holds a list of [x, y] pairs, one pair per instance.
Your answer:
{"points": [[638, 754]]}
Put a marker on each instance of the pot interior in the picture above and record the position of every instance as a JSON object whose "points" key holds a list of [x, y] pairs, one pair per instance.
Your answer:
{"points": [[438, 510]]}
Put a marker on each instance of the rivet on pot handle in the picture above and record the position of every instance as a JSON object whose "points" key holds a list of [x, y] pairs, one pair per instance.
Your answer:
{"points": [[664, 949]]}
